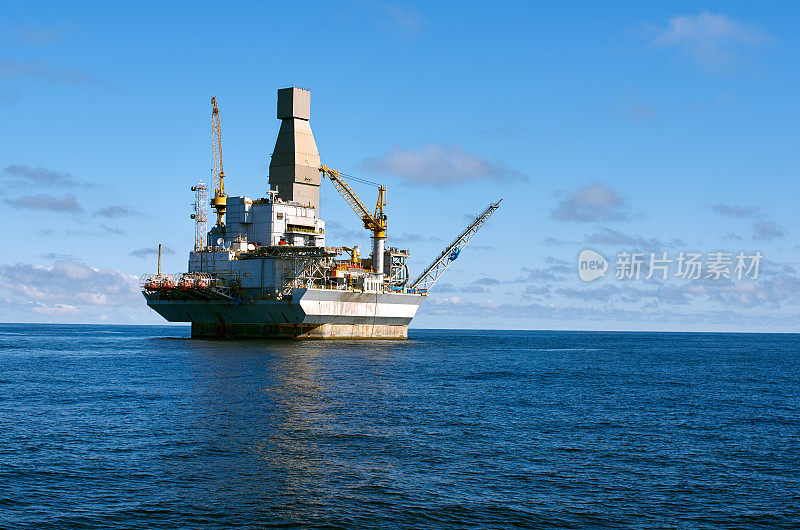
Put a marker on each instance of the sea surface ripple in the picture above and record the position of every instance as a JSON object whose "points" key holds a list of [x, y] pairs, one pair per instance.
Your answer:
{"points": [[139, 426]]}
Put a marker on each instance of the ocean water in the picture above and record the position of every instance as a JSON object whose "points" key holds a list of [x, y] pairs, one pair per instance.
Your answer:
{"points": [[117, 426]]}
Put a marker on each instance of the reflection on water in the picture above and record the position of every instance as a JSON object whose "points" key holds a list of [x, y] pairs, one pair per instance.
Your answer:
{"points": [[284, 414], [104, 426]]}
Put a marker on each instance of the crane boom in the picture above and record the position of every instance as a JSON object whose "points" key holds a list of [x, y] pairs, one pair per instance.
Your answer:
{"points": [[375, 223], [350, 196], [220, 199], [428, 278]]}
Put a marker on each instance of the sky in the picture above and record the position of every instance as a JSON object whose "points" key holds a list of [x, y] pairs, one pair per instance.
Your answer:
{"points": [[631, 129]]}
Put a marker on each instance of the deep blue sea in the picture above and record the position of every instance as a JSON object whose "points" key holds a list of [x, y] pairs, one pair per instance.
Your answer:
{"points": [[120, 426]]}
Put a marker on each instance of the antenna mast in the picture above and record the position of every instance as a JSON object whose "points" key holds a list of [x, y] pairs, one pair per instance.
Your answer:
{"points": [[220, 199], [199, 214]]}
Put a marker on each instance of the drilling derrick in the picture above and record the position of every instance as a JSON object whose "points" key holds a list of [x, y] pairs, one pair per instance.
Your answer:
{"points": [[220, 198], [293, 168], [199, 214]]}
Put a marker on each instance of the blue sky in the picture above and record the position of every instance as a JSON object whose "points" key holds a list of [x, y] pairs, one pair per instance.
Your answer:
{"points": [[614, 126]]}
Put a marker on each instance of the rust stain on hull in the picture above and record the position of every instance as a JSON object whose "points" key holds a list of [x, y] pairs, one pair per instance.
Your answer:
{"points": [[216, 330]]}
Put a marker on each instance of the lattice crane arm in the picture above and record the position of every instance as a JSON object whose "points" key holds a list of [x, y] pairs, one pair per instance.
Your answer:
{"points": [[428, 278], [372, 222], [375, 223], [219, 201], [216, 147]]}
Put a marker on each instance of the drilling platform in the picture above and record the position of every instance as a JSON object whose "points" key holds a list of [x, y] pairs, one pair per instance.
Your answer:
{"points": [[265, 270]]}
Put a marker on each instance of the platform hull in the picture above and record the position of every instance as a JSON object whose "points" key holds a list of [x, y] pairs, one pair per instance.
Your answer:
{"points": [[307, 313], [202, 330]]}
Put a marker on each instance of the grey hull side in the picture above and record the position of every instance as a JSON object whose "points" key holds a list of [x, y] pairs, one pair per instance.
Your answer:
{"points": [[312, 313]]}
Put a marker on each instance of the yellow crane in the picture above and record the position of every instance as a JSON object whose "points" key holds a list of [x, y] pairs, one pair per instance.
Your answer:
{"points": [[220, 199], [376, 223]]}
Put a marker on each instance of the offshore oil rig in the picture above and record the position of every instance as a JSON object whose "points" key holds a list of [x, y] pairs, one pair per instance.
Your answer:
{"points": [[265, 270]]}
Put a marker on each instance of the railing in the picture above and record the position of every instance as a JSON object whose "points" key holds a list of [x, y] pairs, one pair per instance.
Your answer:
{"points": [[303, 229], [187, 284]]}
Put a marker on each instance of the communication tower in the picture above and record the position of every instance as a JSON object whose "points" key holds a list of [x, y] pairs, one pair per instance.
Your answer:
{"points": [[199, 214]]}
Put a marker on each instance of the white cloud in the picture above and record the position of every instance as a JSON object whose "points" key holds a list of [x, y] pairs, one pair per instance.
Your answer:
{"points": [[115, 210], [732, 210], [339, 231], [57, 309], [13, 70], [69, 284], [712, 40], [558, 293], [772, 300], [407, 21], [440, 165], [29, 175], [638, 112], [409, 237], [556, 270], [608, 236], [33, 35], [66, 204], [57, 256], [591, 202], [766, 230], [149, 251]]}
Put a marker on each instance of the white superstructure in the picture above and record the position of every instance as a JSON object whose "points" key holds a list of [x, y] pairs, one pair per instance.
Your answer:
{"points": [[270, 221]]}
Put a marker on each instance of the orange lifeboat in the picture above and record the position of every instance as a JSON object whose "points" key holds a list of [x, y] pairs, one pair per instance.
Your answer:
{"points": [[201, 284], [150, 285], [167, 284], [184, 284]]}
